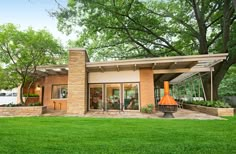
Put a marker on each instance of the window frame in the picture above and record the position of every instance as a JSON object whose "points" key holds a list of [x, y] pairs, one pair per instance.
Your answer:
{"points": [[60, 89], [122, 107]]}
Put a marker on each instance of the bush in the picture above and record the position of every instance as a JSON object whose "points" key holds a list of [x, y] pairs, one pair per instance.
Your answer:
{"points": [[31, 95], [35, 104], [217, 104], [21, 104], [148, 109], [13, 105]]}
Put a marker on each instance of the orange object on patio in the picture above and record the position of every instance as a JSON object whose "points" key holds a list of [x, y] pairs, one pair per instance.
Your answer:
{"points": [[167, 99], [167, 104]]}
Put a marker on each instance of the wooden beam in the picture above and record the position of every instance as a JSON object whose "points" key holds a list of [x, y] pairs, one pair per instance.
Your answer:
{"points": [[154, 66], [101, 68], [135, 67], [182, 70], [192, 64], [51, 72], [163, 77], [64, 71], [117, 68], [172, 65], [41, 73]]}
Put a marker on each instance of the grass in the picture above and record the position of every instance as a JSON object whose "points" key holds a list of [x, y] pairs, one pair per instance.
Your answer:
{"points": [[97, 135]]}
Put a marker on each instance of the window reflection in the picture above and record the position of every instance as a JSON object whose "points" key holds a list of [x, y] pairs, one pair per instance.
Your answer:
{"points": [[96, 96], [113, 96], [131, 96], [59, 91]]}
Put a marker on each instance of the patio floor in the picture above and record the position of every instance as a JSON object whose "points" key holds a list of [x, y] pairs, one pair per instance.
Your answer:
{"points": [[180, 114]]}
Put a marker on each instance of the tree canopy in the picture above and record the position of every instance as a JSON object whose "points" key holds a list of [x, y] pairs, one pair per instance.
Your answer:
{"points": [[132, 28], [21, 51], [227, 87], [135, 28]]}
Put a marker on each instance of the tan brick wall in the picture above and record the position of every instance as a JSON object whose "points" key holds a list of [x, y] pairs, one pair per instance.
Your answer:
{"points": [[48, 82], [211, 110], [146, 87], [60, 104], [77, 82], [22, 111]]}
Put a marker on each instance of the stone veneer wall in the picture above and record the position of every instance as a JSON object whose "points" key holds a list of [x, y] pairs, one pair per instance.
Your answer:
{"points": [[23, 111], [77, 82], [146, 87], [210, 110], [60, 104], [47, 82]]}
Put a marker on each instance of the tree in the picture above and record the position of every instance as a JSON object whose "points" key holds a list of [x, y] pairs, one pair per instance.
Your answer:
{"points": [[131, 28], [9, 79], [226, 88], [22, 51]]}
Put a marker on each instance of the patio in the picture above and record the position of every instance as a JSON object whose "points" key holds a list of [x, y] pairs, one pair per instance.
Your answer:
{"points": [[180, 114]]}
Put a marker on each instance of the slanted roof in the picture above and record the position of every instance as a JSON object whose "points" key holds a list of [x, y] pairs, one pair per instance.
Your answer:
{"points": [[174, 69], [159, 64]]}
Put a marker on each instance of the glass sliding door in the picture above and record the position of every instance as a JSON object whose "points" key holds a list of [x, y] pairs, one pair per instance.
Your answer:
{"points": [[112, 96], [131, 96], [96, 96]]}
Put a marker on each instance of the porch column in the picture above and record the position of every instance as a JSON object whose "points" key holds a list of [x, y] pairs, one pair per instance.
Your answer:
{"points": [[146, 87], [77, 82], [211, 85]]}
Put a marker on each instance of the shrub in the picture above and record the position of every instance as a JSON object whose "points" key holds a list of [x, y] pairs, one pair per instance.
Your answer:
{"points": [[31, 95], [35, 104], [148, 109], [218, 104], [13, 105]]}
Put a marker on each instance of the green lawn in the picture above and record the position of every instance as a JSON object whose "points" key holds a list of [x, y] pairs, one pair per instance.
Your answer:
{"points": [[97, 135]]}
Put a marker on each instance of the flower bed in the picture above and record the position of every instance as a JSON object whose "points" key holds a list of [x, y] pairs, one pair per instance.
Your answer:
{"points": [[23, 111], [210, 110]]}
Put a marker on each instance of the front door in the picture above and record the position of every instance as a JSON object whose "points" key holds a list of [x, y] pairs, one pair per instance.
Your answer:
{"points": [[42, 94], [112, 97]]}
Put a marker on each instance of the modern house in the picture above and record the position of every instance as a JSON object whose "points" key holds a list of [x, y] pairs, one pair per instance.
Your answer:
{"points": [[123, 85]]}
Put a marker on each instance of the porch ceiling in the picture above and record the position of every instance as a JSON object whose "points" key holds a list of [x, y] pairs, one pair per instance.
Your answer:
{"points": [[161, 65], [174, 69], [51, 70]]}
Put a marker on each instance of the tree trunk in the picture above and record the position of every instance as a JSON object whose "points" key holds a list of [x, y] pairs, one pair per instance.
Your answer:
{"points": [[223, 67], [21, 94], [218, 75], [234, 4]]}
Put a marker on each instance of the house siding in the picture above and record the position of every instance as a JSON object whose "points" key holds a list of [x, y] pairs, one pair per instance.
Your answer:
{"points": [[77, 82], [146, 87]]}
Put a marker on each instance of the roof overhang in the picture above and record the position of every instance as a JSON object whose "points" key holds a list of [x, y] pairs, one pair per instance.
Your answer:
{"points": [[43, 71], [174, 69], [161, 63]]}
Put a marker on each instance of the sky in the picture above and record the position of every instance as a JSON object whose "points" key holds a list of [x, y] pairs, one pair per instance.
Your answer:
{"points": [[33, 13]]}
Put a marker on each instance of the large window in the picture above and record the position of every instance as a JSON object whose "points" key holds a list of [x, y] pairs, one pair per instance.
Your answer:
{"points": [[114, 96], [131, 96], [96, 96], [59, 91]]}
